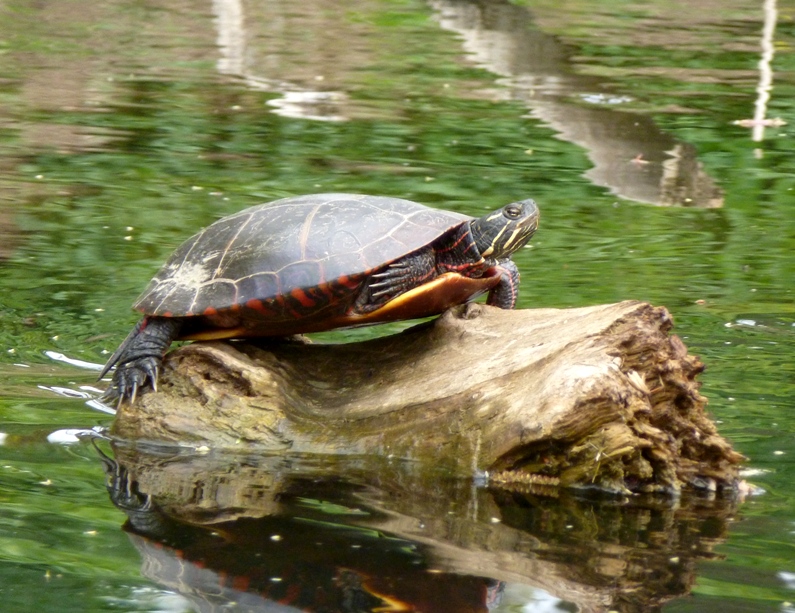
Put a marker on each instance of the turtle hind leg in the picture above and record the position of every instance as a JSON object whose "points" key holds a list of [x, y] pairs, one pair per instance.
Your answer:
{"points": [[139, 357]]}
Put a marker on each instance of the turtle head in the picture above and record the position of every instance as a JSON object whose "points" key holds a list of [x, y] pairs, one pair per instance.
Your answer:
{"points": [[500, 233]]}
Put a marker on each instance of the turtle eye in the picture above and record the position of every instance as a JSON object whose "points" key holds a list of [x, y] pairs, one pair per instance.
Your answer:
{"points": [[512, 211]]}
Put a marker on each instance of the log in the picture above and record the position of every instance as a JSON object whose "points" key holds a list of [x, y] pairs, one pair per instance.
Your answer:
{"points": [[598, 396]]}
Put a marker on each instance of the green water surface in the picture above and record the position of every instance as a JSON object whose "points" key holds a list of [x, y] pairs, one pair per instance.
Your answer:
{"points": [[121, 134]]}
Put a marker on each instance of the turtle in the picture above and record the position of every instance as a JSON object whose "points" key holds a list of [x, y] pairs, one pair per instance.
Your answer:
{"points": [[318, 262]]}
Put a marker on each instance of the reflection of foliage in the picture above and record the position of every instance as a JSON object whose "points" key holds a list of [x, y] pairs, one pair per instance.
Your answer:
{"points": [[329, 508], [443, 149], [57, 530], [95, 241], [185, 152], [182, 157], [174, 127]]}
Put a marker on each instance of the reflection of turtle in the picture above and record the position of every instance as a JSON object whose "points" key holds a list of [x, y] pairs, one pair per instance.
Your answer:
{"points": [[319, 262], [297, 558]]}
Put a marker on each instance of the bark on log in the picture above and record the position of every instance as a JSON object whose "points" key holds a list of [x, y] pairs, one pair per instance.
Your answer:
{"points": [[592, 396]]}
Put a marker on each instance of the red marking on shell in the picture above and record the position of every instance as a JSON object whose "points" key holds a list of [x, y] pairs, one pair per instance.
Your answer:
{"points": [[256, 305], [168, 314], [240, 583], [348, 281], [292, 594], [211, 311], [302, 297]]}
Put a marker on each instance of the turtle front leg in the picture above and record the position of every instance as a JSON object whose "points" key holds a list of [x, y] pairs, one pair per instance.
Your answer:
{"points": [[139, 358], [505, 293], [397, 278]]}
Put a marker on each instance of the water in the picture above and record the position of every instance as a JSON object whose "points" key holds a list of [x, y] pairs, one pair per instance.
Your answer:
{"points": [[126, 127]]}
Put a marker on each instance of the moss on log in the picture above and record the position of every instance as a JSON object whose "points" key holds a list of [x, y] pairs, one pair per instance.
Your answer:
{"points": [[601, 396]]}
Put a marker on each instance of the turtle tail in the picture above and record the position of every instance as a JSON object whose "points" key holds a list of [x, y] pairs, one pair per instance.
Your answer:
{"points": [[139, 358]]}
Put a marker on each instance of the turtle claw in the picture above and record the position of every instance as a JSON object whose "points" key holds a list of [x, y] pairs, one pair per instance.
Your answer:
{"points": [[151, 371], [133, 391], [396, 278], [131, 377], [382, 292]]}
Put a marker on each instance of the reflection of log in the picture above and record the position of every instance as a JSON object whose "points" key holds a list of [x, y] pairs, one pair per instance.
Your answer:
{"points": [[599, 395], [221, 513]]}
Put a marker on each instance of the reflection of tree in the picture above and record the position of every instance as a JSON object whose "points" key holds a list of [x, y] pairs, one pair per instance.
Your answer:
{"points": [[298, 99], [765, 86], [536, 69], [765, 72], [390, 536]]}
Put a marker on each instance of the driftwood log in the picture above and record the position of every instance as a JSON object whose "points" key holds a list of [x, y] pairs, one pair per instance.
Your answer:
{"points": [[599, 396]]}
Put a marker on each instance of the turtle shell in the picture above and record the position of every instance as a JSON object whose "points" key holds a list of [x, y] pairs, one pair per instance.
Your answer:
{"points": [[313, 249]]}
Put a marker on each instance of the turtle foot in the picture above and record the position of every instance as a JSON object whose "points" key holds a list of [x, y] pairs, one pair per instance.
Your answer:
{"points": [[139, 358], [403, 275], [132, 376]]}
